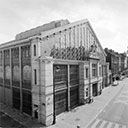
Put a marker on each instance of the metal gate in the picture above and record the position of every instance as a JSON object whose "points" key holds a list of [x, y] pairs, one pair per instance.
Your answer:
{"points": [[74, 83], [27, 101], [16, 98], [60, 87]]}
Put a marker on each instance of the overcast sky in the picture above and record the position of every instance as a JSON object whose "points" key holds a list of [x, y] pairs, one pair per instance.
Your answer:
{"points": [[109, 18]]}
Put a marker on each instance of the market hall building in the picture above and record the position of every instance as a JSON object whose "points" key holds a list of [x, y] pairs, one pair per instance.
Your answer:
{"points": [[51, 69]]}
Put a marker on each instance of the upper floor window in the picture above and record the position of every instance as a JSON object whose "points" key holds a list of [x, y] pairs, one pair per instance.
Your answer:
{"points": [[100, 71], [94, 70], [7, 54], [34, 50], [1, 55], [86, 73], [35, 76], [25, 51], [15, 52]]}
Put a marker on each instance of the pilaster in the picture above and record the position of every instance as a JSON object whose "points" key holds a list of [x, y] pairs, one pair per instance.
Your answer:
{"points": [[11, 103], [20, 79], [46, 91], [81, 83]]}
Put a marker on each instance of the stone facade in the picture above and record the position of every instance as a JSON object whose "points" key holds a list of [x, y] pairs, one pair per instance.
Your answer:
{"points": [[59, 68]]}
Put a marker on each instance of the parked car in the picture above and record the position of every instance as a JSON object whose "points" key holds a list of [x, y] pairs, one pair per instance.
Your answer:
{"points": [[115, 83]]}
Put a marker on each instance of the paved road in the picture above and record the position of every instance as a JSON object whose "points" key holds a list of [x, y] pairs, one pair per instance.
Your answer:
{"points": [[115, 114], [7, 122]]}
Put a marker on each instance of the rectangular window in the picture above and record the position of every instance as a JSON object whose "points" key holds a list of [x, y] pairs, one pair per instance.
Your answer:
{"points": [[1, 61], [86, 92], [34, 50], [86, 72], [0, 56], [94, 70], [26, 51], [100, 72], [35, 76]]}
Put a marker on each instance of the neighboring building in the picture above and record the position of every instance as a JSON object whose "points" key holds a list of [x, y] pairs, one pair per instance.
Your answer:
{"points": [[52, 68], [123, 61], [117, 61], [113, 58]]}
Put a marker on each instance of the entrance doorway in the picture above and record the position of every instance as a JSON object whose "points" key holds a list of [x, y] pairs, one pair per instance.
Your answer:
{"points": [[35, 111], [95, 89], [36, 114]]}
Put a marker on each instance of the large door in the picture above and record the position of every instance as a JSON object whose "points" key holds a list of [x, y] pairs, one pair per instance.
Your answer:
{"points": [[16, 98], [60, 88], [63, 89], [74, 83]]}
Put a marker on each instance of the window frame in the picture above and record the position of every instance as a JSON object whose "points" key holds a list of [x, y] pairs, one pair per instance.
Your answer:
{"points": [[35, 51], [94, 70], [35, 76]]}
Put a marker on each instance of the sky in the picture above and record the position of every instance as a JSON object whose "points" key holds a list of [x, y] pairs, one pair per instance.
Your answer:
{"points": [[109, 18]]}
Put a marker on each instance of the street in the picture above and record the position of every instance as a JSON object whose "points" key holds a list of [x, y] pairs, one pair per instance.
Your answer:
{"points": [[7, 122], [109, 110], [115, 114]]}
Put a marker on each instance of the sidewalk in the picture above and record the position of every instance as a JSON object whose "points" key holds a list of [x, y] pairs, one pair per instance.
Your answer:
{"points": [[23, 119], [82, 115]]}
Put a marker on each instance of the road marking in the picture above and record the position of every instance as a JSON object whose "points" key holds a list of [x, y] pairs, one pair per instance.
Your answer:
{"points": [[95, 123], [103, 124], [116, 126], [109, 125], [124, 126], [99, 123], [109, 100]]}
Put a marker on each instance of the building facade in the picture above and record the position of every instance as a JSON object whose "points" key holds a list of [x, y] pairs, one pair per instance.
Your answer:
{"points": [[52, 69], [114, 60], [117, 62]]}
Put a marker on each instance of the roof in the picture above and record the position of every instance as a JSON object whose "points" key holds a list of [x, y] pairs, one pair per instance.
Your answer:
{"points": [[62, 28], [50, 32]]}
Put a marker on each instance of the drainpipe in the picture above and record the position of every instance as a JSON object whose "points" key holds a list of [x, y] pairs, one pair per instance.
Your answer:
{"points": [[89, 83], [54, 113], [39, 88]]}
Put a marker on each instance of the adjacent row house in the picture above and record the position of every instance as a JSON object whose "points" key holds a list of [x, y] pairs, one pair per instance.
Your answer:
{"points": [[51, 69], [117, 62]]}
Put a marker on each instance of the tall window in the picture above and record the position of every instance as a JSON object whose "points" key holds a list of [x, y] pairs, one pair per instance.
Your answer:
{"points": [[34, 50], [0, 56], [94, 70], [35, 76], [15, 52], [86, 73], [7, 53], [26, 51], [100, 71]]}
